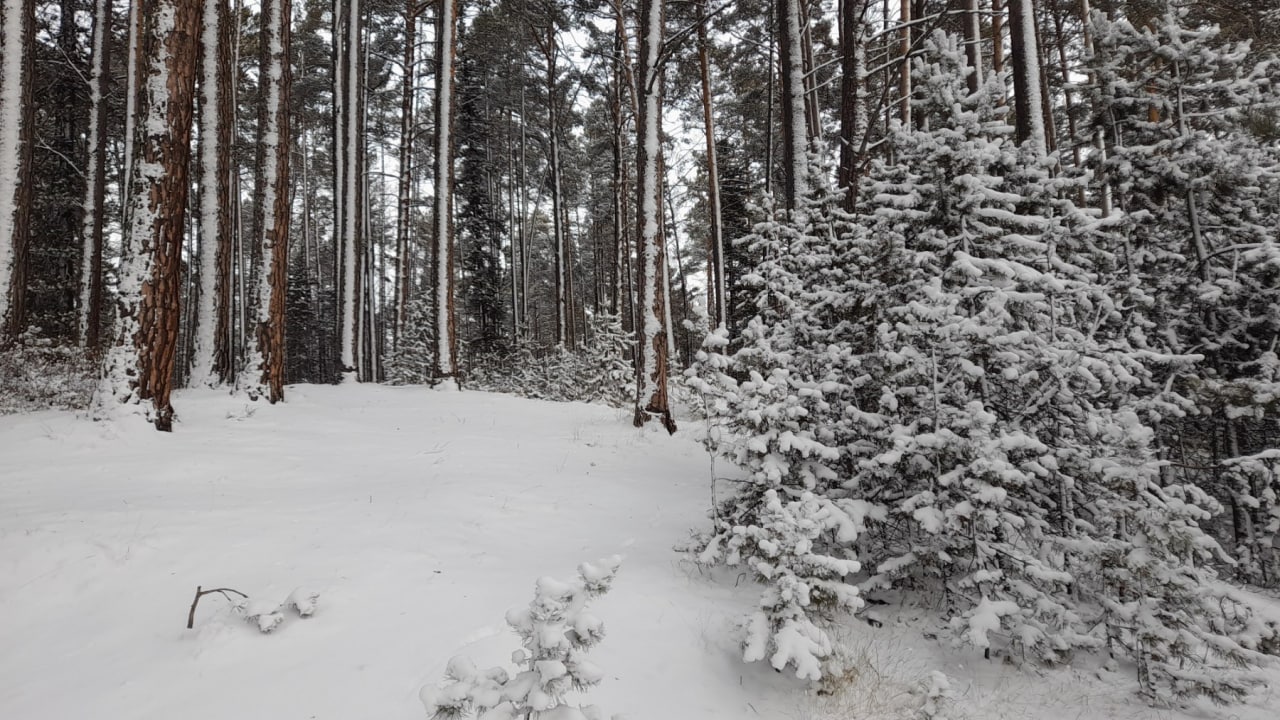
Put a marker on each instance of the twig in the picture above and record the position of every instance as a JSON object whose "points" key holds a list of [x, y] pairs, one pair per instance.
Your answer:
{"points": [[191, 616]]}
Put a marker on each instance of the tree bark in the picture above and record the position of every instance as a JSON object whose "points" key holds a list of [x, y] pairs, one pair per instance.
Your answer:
{"points": [[348, 179], [90, 310], [273, 209], [212, 358], [446, 360], [405, 188], [17, 119], [715, 235], [795, 145], [140, 366], [1028, 112], [973, 43], [651, 333], [853, 106]]}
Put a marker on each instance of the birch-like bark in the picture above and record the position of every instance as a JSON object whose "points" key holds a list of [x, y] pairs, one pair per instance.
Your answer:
{"points": [[651, 335], [446, 360]]}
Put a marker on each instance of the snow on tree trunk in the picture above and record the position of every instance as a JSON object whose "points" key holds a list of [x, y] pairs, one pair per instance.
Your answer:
{"points": [[795, 149], [273, 204], [973, 43], [348, 161], [446, 361], [404, 198], [715, 238], [1026, 76], [17, 26], [211, 361], [90, 309], [853, 105], [651, 385], [140, 365]]}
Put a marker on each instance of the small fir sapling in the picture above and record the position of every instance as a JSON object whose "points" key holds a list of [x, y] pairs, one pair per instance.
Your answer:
{"points": [[555, 633]]}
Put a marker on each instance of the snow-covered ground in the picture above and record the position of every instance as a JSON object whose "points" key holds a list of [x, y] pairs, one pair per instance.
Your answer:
{"points": [[420, 517]]}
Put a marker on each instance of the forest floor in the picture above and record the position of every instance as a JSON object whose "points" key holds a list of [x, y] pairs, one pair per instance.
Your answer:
{"points": [[420, 517]]}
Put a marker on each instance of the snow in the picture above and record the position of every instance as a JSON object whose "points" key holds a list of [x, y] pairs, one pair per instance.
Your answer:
{"points": [[418, 518]]}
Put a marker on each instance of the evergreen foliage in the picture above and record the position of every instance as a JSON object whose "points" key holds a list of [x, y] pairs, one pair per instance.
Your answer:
{"points": [[951, 382], [556, 632]]}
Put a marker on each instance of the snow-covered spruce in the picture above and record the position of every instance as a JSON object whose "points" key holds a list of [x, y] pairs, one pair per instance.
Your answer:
{"points": [[954, 373], [556, 631]]}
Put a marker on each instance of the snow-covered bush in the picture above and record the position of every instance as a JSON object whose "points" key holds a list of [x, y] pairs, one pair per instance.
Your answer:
{"points": [[38, 374], [556, 631], [597, 372]]}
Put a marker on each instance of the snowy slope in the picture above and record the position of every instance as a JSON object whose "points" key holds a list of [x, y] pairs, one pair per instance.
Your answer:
{"points": [[421, 517]]}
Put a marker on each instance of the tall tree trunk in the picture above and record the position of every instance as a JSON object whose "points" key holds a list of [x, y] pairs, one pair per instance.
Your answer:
{"points": [[405, 194], [446, 355], [904, 71], [618, 180], [853, 106], [17, 119], [1099, 139], [651, 335], [973, 43], [273, 200], [348, 174], [715, 235], [997, 36], [1028, 111], [212, 359], [140, 365], [94, 220], [795, 146], [559, 232]]}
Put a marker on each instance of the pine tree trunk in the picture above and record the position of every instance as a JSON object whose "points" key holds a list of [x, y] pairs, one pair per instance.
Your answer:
{"points": [[853, 106], [551, 52], [651, 334], [1028, 102], [904, 70], [1099, 140], [446, 361], [212, 356], [273, 201], [17, 118], [973, 43], [618, 179], [795, 146], [997, 36], [348, 172], [405, 194], [90, 310], [140, 366], [715, 235]]}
